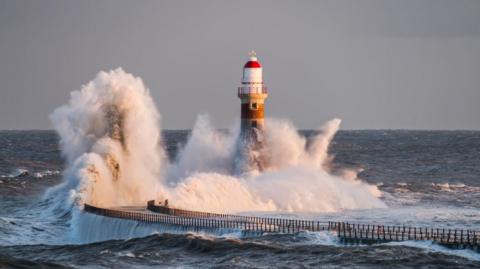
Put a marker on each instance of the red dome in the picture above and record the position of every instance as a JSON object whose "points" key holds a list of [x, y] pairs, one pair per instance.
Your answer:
{"points": [[252, 64]]}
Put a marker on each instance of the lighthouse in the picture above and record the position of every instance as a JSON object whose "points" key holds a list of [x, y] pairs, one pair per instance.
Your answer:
{"points": [[252, 94]]}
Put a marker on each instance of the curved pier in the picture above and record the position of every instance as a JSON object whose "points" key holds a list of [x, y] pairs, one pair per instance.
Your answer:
{"points": [[348, 233]]}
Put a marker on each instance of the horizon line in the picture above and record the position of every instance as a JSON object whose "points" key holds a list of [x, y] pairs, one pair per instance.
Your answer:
{"points": [[299, 129]]}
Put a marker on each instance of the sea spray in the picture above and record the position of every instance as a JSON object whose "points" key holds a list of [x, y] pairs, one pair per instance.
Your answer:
{"points": [[207, 150], [294, 179], [110, 137], [318, 148]]}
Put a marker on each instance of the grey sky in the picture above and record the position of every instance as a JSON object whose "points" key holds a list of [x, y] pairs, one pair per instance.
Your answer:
{"points": [[410, 64]]}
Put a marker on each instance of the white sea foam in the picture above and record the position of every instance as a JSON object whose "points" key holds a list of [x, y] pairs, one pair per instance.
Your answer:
{"points": [[92, 228], [110, 138], [326, 238], [295, 177], [449, 187], [430, 246], [17, 172], [45, 173]]}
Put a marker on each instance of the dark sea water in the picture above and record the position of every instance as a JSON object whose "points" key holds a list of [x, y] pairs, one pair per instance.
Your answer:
{"points": [[428, 179]]}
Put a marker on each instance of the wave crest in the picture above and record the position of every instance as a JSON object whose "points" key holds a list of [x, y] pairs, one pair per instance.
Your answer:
{"points": [[110, 137]]}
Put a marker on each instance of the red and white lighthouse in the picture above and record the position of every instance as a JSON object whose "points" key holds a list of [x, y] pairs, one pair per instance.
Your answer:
{"points": [[252, 94]]}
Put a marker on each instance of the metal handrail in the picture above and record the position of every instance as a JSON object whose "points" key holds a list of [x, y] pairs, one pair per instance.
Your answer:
{"points": [[252, 90]]}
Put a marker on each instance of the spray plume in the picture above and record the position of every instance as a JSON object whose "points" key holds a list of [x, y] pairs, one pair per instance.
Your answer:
{"points": [[110, 138]]}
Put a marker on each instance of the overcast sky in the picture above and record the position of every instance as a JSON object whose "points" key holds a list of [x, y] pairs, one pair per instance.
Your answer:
{"points": [[406, 64]]}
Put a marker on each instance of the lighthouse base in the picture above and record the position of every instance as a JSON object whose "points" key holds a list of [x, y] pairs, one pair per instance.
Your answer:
{"points": [[249, 154]]}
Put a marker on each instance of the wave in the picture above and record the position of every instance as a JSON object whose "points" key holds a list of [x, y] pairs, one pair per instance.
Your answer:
{"points": [[17, 172], [429, 246], [201, 250], [24, 172], [110, 138]]}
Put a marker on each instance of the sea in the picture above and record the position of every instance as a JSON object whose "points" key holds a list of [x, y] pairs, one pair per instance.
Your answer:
{"points": [[427, 179]]}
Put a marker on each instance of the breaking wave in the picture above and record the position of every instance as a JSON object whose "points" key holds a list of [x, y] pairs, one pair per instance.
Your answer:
{"points": [[111, 140]]}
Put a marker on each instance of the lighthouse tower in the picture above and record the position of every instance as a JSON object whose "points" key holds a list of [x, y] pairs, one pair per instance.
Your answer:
{"points": [[252, 94]]}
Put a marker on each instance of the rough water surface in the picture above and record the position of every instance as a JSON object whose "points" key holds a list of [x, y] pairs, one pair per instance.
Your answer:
{"points": [[427, 178]]}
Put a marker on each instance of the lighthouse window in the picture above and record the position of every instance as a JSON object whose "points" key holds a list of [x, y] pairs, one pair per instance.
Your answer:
{"points": [[254, 124], [254, 106]]}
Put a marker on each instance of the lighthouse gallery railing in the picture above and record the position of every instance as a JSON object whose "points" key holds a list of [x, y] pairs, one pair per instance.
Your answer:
{"points": [[252, 90]]}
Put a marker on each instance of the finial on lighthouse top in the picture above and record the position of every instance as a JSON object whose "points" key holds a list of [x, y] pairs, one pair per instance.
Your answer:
{"points": [[253, 55]]}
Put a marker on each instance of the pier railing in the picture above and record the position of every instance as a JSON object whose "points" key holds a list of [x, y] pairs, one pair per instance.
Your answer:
{"points": [[199, 214], [347, 232], [383, 233]]}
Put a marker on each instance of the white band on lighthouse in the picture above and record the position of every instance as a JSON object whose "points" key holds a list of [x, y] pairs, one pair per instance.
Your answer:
{"points": [[252, 76]]}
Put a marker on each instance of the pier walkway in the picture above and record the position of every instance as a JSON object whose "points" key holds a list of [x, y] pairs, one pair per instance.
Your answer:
{"points": [[349, 233]]}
